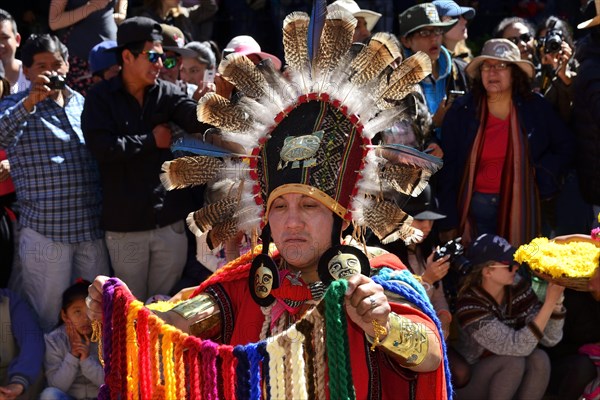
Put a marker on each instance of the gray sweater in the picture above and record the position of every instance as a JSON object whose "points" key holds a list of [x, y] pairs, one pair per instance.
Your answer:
{"points": [[80, 379], [489, 328]]}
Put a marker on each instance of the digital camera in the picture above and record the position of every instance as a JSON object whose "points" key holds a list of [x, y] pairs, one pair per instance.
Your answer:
{"points": [[457, 260], [552, 42], [56, 82]]}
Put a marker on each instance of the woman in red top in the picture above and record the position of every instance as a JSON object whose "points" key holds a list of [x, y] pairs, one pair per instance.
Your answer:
{"points": [[505, 150]]}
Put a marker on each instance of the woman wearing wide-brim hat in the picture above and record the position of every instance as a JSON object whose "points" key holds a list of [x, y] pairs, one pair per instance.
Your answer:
{"points": [[505, 150]]}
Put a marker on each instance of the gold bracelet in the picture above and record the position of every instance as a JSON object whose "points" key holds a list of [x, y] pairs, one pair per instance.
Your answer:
{"points": [[380, 330], [406, 339]]}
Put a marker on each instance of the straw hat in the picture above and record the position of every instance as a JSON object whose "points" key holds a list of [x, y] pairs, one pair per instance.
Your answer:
{"points": [[501, 50], [371, 17]]}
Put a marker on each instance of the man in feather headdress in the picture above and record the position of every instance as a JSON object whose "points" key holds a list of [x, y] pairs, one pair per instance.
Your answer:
{"points": [[312, 172]]}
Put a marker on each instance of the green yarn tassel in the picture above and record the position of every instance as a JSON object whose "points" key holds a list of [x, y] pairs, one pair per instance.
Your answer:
{"points": [[338, 350]]}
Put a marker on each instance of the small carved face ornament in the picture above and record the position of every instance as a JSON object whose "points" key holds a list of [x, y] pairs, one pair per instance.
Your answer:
{"points": [[263, 282], [344, 266]]}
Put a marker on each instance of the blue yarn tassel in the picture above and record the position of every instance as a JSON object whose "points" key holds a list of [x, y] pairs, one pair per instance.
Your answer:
{"points": [[242, 388]]}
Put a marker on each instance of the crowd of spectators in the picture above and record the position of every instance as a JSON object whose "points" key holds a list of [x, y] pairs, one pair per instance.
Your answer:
{"points": [[89, 111]]}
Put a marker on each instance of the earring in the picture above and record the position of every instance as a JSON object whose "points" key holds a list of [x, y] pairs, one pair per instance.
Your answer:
{"points": [[264, 275]]}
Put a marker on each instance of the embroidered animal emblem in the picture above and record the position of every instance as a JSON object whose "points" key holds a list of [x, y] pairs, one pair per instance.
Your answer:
{"points": [[300, 148]]}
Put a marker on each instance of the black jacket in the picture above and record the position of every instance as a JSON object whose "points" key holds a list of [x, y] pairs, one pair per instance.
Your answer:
{"points": [[586, 118], [118, 132]]}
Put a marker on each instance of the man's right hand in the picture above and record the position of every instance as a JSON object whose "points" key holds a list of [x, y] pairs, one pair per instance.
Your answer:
{"points": [[162, 136], [94, 299], [38, 91]]}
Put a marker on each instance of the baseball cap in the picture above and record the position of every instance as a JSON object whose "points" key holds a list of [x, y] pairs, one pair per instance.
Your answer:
{"points": [[424, 206], [489, 247], [451, 9], [246, 45], [172, 38], [200, 51], [421, 16], [138, 29], [102, 57]]}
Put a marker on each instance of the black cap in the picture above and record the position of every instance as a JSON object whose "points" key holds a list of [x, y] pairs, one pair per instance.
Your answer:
{"points": [[138, 29], [424, 206], [489, 247]]}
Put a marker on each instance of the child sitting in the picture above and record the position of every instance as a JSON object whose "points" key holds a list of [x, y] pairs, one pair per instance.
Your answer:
{"points": [[73, 370]]}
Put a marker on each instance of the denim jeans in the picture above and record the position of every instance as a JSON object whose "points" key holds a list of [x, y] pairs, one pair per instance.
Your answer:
{"points": [[51, 393], [484, 212]]}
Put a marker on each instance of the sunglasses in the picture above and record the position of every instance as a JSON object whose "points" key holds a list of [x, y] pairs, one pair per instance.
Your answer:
{"points": [[524, 37], [498, 67], [154, 56], [170, 62], [505, 264], [425, 33]]}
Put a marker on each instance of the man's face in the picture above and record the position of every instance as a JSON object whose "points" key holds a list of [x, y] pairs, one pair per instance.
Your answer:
{"points": [[427, 40], [9, 41], [46, 62], [140, 67], [301, 229], [361, 32]]}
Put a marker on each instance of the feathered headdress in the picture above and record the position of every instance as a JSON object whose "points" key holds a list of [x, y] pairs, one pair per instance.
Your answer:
{"points": [[310, 130]]}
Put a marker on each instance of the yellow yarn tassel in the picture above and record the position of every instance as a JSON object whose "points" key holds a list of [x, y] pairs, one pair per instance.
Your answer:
{"points": [[132, 347], [97, 338]]}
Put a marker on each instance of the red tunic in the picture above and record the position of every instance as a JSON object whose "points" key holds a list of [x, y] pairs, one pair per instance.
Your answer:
{"points": [[375, 375]]}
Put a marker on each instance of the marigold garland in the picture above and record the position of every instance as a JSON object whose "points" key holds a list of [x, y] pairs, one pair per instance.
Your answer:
{"points": [[575, 259]]}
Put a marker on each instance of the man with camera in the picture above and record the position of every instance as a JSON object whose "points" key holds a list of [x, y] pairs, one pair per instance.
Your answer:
{"points": [[56, 180]]}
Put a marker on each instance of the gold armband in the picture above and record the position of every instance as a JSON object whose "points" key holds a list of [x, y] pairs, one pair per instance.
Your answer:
{"points": [[407, 340], [204, 315]]}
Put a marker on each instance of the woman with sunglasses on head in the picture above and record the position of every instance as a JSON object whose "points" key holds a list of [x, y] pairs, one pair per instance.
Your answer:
{"points": [[501, 323], [505, 150]]}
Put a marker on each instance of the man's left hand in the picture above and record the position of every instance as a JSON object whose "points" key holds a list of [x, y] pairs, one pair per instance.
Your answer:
{"points": [[365, 302]]}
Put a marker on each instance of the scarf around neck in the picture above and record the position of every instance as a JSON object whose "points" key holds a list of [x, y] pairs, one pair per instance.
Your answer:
{"points": [[519, 209]]}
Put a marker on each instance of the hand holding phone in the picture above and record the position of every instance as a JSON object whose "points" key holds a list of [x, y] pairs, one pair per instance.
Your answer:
{"points": [[209, 76]]}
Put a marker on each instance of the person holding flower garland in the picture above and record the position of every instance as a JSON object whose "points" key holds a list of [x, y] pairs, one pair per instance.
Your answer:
{"points": [[312, 173], [501, 323]]}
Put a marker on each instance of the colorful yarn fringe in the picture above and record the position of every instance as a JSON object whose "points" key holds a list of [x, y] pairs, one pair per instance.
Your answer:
{"points": [[144, 358]]}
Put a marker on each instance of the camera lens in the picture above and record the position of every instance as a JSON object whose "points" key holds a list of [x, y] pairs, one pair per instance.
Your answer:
{"points": [[553, 42]]}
